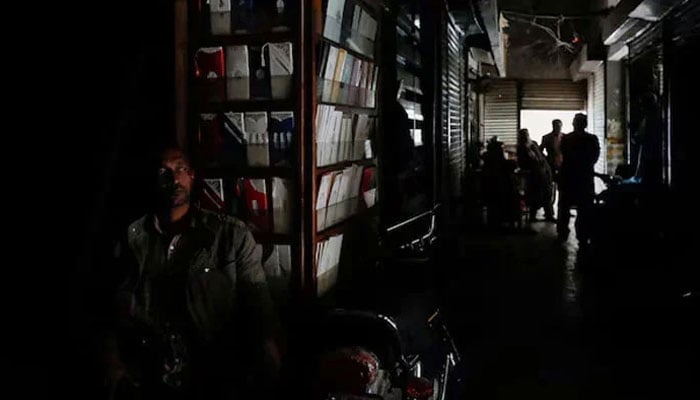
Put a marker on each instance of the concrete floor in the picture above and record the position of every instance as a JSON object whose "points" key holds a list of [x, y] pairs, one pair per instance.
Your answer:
{"points": [[535, 318], [517, 313]]}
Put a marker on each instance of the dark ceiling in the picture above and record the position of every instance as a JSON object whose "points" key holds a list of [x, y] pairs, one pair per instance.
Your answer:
{"points": [[566, 7], [528, 43], [460, 8]]}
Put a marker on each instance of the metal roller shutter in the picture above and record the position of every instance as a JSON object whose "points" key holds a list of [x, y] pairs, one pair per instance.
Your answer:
{"points": [[453, 142], [597, 124], [553, 95], [501, 111], [596, 117]]}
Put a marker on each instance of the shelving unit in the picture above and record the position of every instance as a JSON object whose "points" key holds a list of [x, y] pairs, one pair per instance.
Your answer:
{"points": [[272, 145], [247, 105], [408, 176], [246, 38], [323, 280], [409, 67], [209, 98], [372, 111], [344, 164], [339, 227]]}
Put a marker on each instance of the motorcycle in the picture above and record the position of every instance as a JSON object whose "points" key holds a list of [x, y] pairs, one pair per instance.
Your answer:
{"points": [[361, 357], [638, 242], [618, 211]]}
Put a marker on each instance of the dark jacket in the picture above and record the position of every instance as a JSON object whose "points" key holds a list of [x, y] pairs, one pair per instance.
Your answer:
{"points": [[580, 151], [211, 285], [194, 311]]}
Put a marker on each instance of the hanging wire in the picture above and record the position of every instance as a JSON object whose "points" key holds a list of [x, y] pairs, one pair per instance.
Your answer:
{"points": [[558, 43], [559, 22]]}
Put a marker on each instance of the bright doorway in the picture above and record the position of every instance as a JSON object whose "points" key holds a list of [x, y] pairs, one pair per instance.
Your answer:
{"points": [[539, 122]]}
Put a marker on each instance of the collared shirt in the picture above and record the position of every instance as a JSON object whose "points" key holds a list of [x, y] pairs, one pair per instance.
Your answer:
{"points": [[200, 281]]}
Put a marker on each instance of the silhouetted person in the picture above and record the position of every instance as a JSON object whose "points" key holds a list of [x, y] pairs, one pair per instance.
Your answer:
{"points": [[406, 163], [497, 182], [580, 151], [551, 145], [195, 302], [538, 176]]}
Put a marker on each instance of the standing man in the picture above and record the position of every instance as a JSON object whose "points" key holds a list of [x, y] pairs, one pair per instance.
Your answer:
{"points": [[195, 301], [580, 151], [551, 145]]}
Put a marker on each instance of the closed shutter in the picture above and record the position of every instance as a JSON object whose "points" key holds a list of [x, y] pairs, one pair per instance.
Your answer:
{"points": [[501, 111], [596, 117], [598, 122], [553, 95], [453, 109], [445, 115], [454, 91]]}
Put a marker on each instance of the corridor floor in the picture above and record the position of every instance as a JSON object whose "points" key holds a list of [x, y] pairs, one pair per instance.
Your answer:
{"points": [[535, 318], [516, 313], [539, 319]]}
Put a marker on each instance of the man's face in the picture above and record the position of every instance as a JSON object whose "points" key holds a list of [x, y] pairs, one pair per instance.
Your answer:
{"points": [[175, 177], [557, 126]]}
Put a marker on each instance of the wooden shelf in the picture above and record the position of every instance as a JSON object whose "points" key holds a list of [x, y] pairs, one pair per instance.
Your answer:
{"points": [[344, 164], [409, 38], [320, 38], [410, 95], [409, 66], [249, 105], [413, 89], [249, 172], [341, 226], [273, 238], [334, 230], [254, 39], [367, 110]]}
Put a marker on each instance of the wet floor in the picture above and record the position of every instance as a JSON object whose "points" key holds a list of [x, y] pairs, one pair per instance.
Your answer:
{"points": [[540, 319], [536, 318]]}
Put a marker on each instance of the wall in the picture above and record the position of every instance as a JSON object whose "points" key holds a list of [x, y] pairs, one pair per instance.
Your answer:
{"points": [[490, 12]]}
